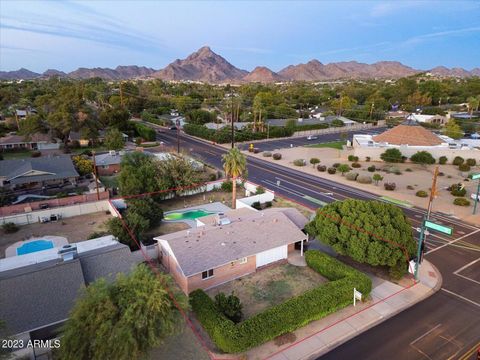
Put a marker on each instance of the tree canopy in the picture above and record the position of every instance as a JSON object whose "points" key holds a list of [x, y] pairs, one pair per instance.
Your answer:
{"points": [[423, 157], [392, 156]]}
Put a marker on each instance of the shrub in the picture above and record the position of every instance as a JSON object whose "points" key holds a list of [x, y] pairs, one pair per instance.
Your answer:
{"points": [[442, 160], [398, 271], [212, 177], [268, 204], [277, 156], [423, 157], [257, 205], [408, 170], [377, 178], [421, 193], [331, 170], [10, 227], [35, 154], [314, 161], [321, 168], [230, 306], [267, 154], [458, 160], [460, 201], [256, 150], [372, 168], [299, 162], [352, 176], [287, 316], [390, 186], [410, 187], [227, 186], [367, 159], [457, 190], [336, 165], [96, 234], [352, 158], [364, 179], [392, 156], [356, 165], [464, 167], [343, 168], [398, 172], [471, 162], [441, 173], [260, 190]]}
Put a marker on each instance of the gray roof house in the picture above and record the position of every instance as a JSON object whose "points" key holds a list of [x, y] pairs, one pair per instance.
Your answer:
{"points": [[38, 290], [41, 171]]}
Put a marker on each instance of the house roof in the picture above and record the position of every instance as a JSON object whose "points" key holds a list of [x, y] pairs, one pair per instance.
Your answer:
{"points": [[421, 118], [21, 139], [211, 246], [408, 135], [45, 168], [109, 159], [43, 293]]}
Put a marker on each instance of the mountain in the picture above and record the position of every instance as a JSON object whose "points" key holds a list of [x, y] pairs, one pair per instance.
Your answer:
{"points": [[202, 65], [262, 74], [119, 73], [453, 72], [315, 70], [53, 72], [19, 74]]}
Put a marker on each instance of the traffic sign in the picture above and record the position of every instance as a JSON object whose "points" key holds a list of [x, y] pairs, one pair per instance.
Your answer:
{"points": [[441, 228], [476, 176]]}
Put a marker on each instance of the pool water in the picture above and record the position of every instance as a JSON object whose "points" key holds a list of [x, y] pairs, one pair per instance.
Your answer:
{"points": [[188, 215], [34, 246]]}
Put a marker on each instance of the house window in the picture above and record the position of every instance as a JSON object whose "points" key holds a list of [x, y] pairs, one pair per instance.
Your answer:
{"points": [[104, 166], [207, 274], [242, 260]]}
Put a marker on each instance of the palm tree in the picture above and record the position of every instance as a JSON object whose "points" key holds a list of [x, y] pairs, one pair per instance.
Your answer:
{"points": [[235, 166]]}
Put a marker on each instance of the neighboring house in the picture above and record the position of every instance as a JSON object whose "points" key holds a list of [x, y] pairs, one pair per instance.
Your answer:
{"points": [[395, 114], [346, 121], [35, 173], [83, 141], [37, 141], [38, 290], [226, 247], [217, 126], [429, 119], [109, 163], [298, 122]]}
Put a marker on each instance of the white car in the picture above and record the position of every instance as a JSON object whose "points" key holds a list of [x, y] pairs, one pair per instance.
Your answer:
{"points": [[312, 137]]}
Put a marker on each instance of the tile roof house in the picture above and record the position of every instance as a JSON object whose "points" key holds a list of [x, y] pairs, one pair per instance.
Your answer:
{"points": [[36, 141], [408, 135], [37, 172], [430, 119], [237, 244], [37, 291]]}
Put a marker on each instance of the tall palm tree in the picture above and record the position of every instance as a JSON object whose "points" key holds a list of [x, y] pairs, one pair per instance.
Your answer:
{"points": [[235, 166]]}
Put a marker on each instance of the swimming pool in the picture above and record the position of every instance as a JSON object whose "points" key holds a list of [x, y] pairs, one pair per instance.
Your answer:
{"points": [[187, 215], [34, 246]]}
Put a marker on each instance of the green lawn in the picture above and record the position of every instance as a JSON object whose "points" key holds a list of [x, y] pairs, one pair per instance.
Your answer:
{"points": [[109, 181], [20, 154], [334, 145]]}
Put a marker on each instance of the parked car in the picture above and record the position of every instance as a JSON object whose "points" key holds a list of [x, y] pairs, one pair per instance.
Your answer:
{"points": [[173, 128], [312, 137]]}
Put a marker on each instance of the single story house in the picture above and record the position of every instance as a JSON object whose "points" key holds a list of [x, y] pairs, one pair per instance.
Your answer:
{"points": [[38, 290], [429, 119], [34, 173], [346, 121], [37, 141], [109, 163], [230, 246], [217, 126]]}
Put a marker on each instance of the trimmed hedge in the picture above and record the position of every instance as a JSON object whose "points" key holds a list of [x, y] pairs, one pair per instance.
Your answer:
{"points": [[285, 317]]}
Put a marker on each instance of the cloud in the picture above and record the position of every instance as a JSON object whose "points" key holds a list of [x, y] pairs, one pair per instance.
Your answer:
{"points": [[414, 40], [389, 8], [253, 50]]}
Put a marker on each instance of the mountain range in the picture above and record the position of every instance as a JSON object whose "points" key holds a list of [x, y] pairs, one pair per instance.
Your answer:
{"points": [[206, 66]]}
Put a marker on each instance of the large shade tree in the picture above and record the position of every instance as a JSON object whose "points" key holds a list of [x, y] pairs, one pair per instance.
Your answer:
{"points": [[369, 232], [123, 319], [235, 166]]}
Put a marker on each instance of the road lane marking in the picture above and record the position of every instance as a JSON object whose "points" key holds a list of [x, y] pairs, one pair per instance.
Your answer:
{"points": [[452, 242], [470, 352], [456, 272], [425, 334], [316, 201], [461, 297]]}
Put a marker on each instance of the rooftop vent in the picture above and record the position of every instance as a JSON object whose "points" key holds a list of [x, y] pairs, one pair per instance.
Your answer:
{"points": [[112, 152], [68, 252]]}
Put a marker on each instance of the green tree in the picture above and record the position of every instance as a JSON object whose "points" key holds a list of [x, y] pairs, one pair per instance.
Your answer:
{"points": [[114, 139], [178, 174], [230, 306], [343, 168], [115, 117], [31, 125], [392, 155], [473, 103], [235, 166], [453, 130], [122, 320], [138, 174], [83, 164], [423, 157], [369, 232], [377, 178], [314, 161], [341, 104]]}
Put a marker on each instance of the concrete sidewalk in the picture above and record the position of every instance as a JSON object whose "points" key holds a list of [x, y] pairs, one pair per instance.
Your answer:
{"points": [[319, 337]]}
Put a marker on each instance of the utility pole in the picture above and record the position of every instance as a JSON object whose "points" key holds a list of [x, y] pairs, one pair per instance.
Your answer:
{"points": [[95, 174], [121, 95], [16, 119], [371, 110], [178, 136], [433, 192]]}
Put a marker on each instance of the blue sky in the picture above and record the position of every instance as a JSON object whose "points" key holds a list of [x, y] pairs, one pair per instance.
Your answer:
{"points": [[66, 35]]}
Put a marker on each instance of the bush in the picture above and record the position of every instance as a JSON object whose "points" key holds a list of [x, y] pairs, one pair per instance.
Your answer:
{"points": [[230, 306], [97, 234], [367, 159], [268, 204], [35, 154], [277, 156], [10, 227], [457, 190], [227, 186], [464, 167], [408, 170], [372, 168], [267, 154], [287, 316], [299, 162], [398, 271], [423, 157], [145, 132], [471, 162], [321, 168], [314, 161], [260, 190], [442, 160], [212, 177], [356, 165], [352, 158], [460, 201], [390, 186], [421, 193], [336, 165], [392, 156], [410, 187], [352, 176], [257, 205], [331, 170], [458, 160], [256, 150], [364, 179]]}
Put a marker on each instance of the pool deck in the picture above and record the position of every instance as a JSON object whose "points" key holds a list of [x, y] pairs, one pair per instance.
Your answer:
{"points": [[58, 241], [215, 207]]}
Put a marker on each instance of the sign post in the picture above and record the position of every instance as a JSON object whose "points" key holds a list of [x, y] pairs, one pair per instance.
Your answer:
{"points": [[476, 177], [357, 295]]}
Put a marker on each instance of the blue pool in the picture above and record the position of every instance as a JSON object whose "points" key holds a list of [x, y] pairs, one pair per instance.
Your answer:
{"points": [[34, 246]]}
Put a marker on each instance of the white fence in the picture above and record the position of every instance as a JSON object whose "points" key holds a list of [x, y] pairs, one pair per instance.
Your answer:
{"points": [[64, 212]]}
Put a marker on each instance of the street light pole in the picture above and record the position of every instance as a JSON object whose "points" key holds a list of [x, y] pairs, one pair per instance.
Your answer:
{"points": [[178, 136], [419, 247], [476, 198]]}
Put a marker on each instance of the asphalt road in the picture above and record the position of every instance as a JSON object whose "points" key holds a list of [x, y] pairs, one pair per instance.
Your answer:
{"points": [[271, 145], [445, 326]]}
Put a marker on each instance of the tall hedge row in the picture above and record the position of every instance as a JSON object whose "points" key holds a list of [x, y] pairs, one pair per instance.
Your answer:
{"points": [[288, 316], [145, 132]]}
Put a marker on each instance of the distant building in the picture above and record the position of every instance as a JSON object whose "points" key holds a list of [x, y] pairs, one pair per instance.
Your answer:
{"points": [[37, 141], [428, 119], [217, 126], [84, 141]]}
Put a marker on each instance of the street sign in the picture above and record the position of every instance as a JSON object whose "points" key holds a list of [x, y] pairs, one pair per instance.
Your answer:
{"points": [[441, 228], [476, 176], [357, 295]]}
